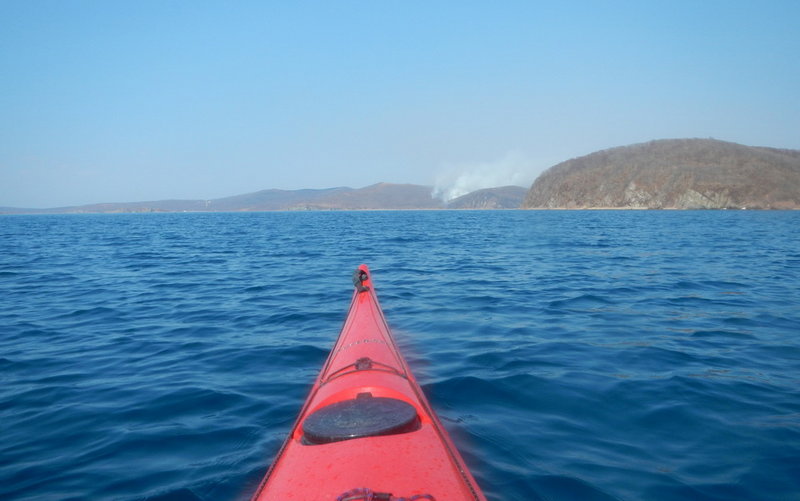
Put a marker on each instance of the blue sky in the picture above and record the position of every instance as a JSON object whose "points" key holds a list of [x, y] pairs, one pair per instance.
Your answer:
{"points": [[129, 101]]}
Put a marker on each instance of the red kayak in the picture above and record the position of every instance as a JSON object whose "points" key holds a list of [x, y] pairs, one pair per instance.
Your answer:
{"points": [[366, 431]]}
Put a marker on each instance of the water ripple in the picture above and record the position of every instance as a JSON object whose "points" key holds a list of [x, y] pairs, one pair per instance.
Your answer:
{"points": [[572, 355]]}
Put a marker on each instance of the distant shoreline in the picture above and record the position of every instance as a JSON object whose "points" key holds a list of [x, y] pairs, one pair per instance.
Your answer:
{"points": [[47, 212]]}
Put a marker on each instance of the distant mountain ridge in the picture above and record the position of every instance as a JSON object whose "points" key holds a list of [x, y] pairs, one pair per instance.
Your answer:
{"points": [[660, 174], [673, 173], [380, 196]]}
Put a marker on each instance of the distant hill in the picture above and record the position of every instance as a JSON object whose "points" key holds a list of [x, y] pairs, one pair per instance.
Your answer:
{"points": [[381, 196], [673, 173], [273, 200], [505, 197], [378, 196]]}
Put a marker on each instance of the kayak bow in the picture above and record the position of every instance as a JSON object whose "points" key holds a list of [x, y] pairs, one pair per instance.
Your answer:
{"points": [[366, 431]]}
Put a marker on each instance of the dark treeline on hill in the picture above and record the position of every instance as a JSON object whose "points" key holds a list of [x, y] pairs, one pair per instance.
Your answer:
{"points": [[673, 173]]}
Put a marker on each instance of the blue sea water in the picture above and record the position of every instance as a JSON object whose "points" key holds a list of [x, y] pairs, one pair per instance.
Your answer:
{"points": [[577, 355]]}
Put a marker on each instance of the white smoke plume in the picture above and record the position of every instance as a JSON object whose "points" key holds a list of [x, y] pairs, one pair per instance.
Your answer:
{"points": [[456, 180]]}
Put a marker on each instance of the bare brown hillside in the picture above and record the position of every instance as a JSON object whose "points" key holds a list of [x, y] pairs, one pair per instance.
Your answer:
{"points": [[673, 173], [504, 197]]}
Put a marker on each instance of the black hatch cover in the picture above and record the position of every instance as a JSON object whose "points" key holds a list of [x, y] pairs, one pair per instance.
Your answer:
{"points": [[364, 416]]}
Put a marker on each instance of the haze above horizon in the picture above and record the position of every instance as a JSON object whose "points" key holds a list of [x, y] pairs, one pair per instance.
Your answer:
{"points": [[118, 102]]}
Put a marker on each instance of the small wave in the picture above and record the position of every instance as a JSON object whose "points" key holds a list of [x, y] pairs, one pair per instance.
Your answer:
{"points": [[724, 334], [89, 312], [580, 302], [561, 487]]}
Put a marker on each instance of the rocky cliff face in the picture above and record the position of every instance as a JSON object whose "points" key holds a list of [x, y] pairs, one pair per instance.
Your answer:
{"points": [[673, 173]]}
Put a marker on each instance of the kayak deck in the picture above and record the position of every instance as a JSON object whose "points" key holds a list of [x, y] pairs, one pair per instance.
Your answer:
{"points": [[366, 425]]}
